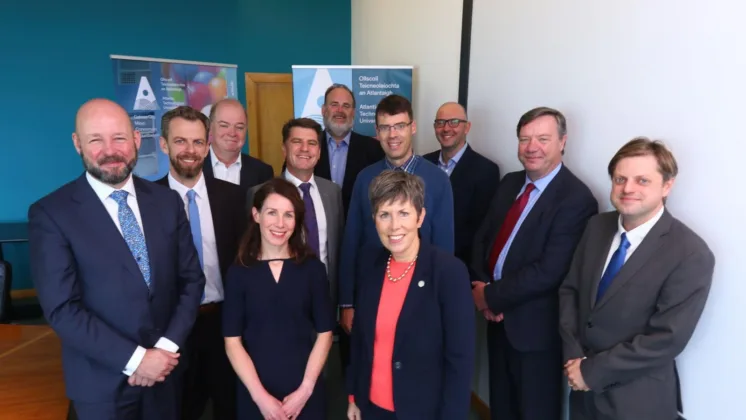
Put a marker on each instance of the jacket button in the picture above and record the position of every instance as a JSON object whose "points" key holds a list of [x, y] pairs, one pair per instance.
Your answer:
{"points": [[397, 365], [589, 324]]}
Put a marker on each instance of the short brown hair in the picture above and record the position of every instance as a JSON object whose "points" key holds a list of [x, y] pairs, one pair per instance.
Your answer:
{"points": [[643, 146], [185, 112], [216, 105], [251, 244], [301, 123], [339, 86], [541, 112], [394, 104], [392, 186]]}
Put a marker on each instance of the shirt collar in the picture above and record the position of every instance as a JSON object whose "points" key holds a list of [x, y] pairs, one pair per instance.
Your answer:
{"points": [[455, 157], [406, 166], [103, 191], [200, 188], [636, 235], [295, 181], [542, 183], [333, 143], [214, 159]]}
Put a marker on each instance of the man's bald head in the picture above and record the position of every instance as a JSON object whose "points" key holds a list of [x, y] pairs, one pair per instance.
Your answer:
{"points": [[106, 141], [452, 108], [451, 126]]}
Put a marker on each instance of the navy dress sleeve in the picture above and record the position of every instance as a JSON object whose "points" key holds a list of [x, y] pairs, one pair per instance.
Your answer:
{"points": [[321, 302], [233, 304]]}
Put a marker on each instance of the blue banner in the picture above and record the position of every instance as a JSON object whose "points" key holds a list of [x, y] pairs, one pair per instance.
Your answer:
{"points": [[148, 88], [370, 84]]}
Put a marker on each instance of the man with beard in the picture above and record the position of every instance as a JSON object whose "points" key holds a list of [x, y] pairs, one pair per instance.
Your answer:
{"points": [[474, 178], [395, 126], [344, 153], [117, 275], [227, 137], [217, 219]]}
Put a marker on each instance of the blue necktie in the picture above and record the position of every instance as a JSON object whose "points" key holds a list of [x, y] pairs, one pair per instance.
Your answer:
{"points": [[132, 234], [310, 218], [196, 228], [615, 264]]}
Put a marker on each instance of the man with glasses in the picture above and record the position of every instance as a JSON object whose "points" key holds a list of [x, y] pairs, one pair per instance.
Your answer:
{"points": [[344, 153], [395, 126], [474, 178]]}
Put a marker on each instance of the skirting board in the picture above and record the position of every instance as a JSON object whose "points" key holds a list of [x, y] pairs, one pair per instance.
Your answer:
{"points": [[22, 293], [482, 410]]}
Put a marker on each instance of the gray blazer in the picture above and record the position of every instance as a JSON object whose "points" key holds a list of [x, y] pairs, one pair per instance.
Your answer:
{"points": [[632, 336], [331, 197]]}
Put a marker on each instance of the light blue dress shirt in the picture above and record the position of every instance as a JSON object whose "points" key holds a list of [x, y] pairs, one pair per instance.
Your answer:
{"points": [[451, 165], [541, 185], [338, 157]]}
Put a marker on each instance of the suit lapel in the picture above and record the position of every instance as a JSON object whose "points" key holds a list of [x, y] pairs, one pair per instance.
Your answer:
{"points": [[220, 225], [207, 166], [506, 199], [323, 167], [654, 240], [372, 295], [415, 295], [245, 174], [354, 155], [151, 226], [462, 167], [326, 201], [600, 253]]}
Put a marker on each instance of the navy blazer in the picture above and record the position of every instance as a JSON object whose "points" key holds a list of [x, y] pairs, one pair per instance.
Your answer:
{"points": [[538, 259], [253, 171], [434, 347], [92, 291]]}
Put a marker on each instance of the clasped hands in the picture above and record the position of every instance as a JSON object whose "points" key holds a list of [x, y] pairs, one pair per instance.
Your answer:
{"points": [[154, 367], [574, 375], [477, 292], [290, 407]]}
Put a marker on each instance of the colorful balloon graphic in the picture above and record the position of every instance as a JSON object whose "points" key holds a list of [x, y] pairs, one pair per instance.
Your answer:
{"points": [[218, 89]]}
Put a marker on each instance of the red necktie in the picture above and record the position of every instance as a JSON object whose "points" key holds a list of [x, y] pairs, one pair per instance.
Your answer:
{"points": [[509, 224]]}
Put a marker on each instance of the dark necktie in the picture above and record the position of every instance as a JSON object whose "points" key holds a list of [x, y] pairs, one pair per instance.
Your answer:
{"points": [[509, 224], [615, 264], [312, 225]]}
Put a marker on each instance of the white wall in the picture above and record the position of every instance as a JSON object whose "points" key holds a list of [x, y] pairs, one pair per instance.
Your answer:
{"points": [[669, 69], [422, 33]]}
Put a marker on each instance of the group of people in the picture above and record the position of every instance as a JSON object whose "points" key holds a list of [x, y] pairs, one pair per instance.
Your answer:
{"points": [[222, 283]]}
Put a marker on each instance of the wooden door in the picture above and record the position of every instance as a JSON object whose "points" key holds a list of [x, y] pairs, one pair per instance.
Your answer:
{"points": [[269, 105]]}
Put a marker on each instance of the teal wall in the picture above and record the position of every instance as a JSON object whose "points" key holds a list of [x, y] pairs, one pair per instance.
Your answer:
{"points": [[55, 55]]}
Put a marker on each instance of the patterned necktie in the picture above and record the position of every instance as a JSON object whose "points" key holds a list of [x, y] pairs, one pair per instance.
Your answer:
{"points": [[132, 234], [509, 224], [615, 264], [310, 219]]}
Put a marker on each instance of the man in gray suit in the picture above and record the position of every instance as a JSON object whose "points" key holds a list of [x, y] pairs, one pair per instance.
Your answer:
{"points": [[325, 220], [634, 294]]}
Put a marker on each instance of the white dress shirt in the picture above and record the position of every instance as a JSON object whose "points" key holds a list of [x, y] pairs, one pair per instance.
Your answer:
{"points": [[320, 213], [634, 236], [230, 173], [214, 283], [103, 191]]}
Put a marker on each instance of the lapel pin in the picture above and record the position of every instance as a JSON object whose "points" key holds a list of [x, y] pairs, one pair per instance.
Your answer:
{"points": [[421, 283]]}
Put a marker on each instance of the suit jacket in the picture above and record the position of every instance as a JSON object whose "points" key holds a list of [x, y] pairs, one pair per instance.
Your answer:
{"points": [[91, 288], [474, 180], [434, 345], [643, 321], [538, 258], [331, 198], [253, 171], [363, 151], [229, 218]]}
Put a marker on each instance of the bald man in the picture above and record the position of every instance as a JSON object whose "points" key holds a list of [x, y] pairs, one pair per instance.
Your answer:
{"points": [[474, 178], [117, 275], [227, 137]]}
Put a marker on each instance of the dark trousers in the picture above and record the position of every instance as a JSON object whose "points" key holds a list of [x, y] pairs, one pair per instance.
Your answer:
{"points": [[209, 374], [159, 402], [374, 412], [344, 349], [523, 385]]}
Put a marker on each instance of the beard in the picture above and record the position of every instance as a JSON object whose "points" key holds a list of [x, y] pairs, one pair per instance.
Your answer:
{"points": [[337, 129], [187, 172], [113, 177]]}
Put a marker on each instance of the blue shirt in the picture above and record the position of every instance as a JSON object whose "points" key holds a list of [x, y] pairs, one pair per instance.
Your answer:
{"points": [[541, 185], [451, 165], [409, 166], [338, 157]]}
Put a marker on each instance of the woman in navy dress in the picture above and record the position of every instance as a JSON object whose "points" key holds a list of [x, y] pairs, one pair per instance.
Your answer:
{"points": [[277, 315]]}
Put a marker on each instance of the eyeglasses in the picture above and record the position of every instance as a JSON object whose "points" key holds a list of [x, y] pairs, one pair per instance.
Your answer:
{"points": [[453, 122], [398, 127]]}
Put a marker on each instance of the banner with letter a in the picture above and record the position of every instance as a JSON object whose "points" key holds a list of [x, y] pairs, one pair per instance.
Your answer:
{"points": [[149, 87], [370, 84]]}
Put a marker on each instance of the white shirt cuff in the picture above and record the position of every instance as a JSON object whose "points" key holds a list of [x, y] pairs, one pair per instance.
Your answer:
{"points": [[166, 344], [134, 361]]}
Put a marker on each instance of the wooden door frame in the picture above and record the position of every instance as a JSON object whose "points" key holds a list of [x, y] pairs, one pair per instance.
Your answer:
{"points": [[252, 113]]}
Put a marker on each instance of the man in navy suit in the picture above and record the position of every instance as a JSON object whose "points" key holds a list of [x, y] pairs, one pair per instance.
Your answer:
{"points": [[521, 254], [117, 275]]}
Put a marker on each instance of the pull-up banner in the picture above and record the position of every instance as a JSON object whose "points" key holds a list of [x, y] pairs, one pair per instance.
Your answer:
{"points": [[369, 84], [149, 87]]}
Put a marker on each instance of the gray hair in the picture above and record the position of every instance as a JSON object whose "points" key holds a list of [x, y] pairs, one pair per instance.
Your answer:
{"points": [[391, 186], [339, 86]]}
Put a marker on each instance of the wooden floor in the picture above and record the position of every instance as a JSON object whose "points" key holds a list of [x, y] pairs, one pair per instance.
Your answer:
{"points": [[31, 384]]}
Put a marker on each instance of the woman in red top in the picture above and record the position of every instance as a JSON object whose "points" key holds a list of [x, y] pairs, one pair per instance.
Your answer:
{"points": [[412, 346]]}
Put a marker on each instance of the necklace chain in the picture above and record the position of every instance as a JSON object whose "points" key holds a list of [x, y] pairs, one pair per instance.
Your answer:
{"points": [[388, 269]]}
